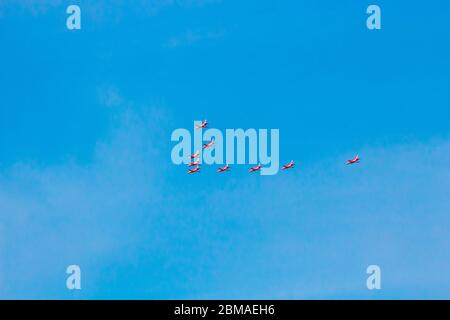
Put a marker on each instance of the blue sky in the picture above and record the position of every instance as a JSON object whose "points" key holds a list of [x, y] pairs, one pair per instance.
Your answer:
{"points": [[85, 170]]}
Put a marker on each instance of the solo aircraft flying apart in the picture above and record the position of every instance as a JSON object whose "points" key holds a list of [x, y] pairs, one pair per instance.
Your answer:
{"points": [[354, 160]]}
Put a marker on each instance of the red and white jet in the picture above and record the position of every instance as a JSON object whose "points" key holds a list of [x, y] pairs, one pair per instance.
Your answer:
{"points": [[203, 125], [290, 165], [194, 163], [196, 169], [209, 144], [195, 155], [354, 160], [254, 169], [226, 168]]}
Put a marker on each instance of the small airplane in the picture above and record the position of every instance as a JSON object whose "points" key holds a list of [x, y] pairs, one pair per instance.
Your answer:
{"points": [[195, 155], [290, 165], [194, 163], [226, 168], [196, 169], [354, 160], [254, 169], [203, 125], [209, 144]]}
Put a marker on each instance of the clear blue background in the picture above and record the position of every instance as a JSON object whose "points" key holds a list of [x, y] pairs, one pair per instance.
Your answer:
{"points": [[85, 170]]}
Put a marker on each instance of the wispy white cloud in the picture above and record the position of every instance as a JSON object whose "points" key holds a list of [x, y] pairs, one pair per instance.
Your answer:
{"points": [[101, 9], [190, 37], [35, 7], [72, 213], [110, 96]]}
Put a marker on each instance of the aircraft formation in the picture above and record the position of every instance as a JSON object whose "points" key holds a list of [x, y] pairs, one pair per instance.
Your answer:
{"points": [[195, 162]]}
